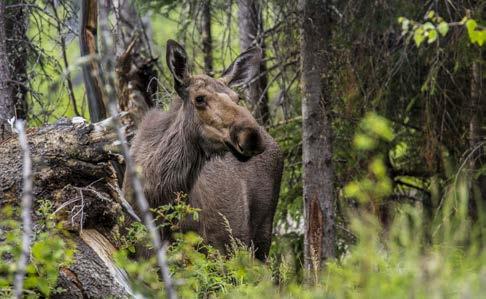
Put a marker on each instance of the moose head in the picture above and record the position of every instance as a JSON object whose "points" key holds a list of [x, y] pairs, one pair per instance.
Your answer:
{"points": [[212, 105]]}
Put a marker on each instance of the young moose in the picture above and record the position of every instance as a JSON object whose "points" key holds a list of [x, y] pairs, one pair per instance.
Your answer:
{"points": [[172, 148], [184, 150]]}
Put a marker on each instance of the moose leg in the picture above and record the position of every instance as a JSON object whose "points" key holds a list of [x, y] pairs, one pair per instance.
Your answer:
{"points": [[262, 238]]}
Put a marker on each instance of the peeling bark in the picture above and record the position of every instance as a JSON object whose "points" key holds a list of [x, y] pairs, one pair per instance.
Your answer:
{"points": [[136, 83], [91, 69]]}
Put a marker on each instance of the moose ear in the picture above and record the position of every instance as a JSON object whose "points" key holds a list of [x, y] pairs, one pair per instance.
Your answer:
{"points": [[177, 62], [244, 68]]}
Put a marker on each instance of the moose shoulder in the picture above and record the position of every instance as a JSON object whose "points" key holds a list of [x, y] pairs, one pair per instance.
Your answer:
{"points": [[184, 149]]}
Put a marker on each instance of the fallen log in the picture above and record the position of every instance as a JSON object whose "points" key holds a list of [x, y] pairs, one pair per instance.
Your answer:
{"points": [[75, 167]]}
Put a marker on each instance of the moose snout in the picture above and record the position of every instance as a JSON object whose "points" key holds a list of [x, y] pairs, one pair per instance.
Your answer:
{"points": [[247, 140]]}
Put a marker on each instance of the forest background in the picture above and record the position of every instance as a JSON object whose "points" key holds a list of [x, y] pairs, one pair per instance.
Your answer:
{"points": [[402, 89]]}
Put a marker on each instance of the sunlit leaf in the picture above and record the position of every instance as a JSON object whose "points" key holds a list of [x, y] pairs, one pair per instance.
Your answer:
{"points": [[432, 36], [364, 142], [443, 28], [418, 36]]}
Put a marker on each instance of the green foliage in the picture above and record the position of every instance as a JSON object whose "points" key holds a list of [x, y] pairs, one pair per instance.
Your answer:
{"points": [[200, 269], [477, 33], [172, 214], [373, 128], [49, 252], [376, 185], [430, 30]]}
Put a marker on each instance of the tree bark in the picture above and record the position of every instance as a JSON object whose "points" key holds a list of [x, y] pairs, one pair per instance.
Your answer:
{"points": [[477, 108], [91, 69], [136, 74], [72, 168], [318, 173], [7, 109], [250, 25], [207, 40], [13, 65]]}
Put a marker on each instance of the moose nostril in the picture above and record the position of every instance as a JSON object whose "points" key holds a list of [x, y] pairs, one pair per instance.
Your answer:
{"points": [[250, 141]]}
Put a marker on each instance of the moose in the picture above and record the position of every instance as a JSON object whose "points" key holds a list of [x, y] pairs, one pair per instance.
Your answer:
{"points": [[212, 149]]}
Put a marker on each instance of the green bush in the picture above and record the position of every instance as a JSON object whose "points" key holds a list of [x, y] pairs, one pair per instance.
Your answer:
{"points": [[49, 252]]}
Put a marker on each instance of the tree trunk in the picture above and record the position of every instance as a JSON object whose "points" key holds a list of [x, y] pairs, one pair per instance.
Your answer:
{"points": [[477, 108], [136, 74], [250, 25], [129, 24], [17, 45], [318, 174], [72, 168], [207, 41], [13, 64], [7, 107], [91, 69]]}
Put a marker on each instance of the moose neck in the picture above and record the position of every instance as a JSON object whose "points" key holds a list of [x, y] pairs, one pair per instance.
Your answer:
{"points": [[179, 157]]}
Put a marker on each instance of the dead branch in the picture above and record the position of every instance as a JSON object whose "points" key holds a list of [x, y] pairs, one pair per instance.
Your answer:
{"points": [[26, 209]]}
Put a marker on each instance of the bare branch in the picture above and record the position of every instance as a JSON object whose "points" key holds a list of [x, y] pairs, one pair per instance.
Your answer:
{"points": [[26, 209], [62, 42]]}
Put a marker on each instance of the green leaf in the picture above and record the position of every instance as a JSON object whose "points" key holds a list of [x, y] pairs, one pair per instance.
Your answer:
{"points": [[471, 26], [378, 168], [476, 35], [480, 37], [364, 142], [443, 28], [405, 25], [428, 26], [418, 36], [378, 125], [432, 36]]}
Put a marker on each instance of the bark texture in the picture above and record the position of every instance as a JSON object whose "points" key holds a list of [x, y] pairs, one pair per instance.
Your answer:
{"points": [[7, 109], [207, 40], [91, 69], [250, 26], [318, 176], [130, 24], [72, 168], [136, 83], [13, 64], [476, 123]]}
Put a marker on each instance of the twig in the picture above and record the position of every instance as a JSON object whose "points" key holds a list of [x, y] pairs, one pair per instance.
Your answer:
{"points": [[128, 208], [62, 42], [109, 89], [26, 209]]}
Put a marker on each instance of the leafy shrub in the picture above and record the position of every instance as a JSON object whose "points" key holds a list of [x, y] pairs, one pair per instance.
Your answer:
{"points": [[49, 252]]}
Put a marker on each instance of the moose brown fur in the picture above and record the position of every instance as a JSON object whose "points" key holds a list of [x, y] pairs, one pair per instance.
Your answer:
{"points": [[241, 194], [173, 148]]}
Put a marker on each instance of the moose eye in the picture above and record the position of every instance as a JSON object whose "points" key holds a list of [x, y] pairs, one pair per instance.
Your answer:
{"points": [[200, 101]]}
